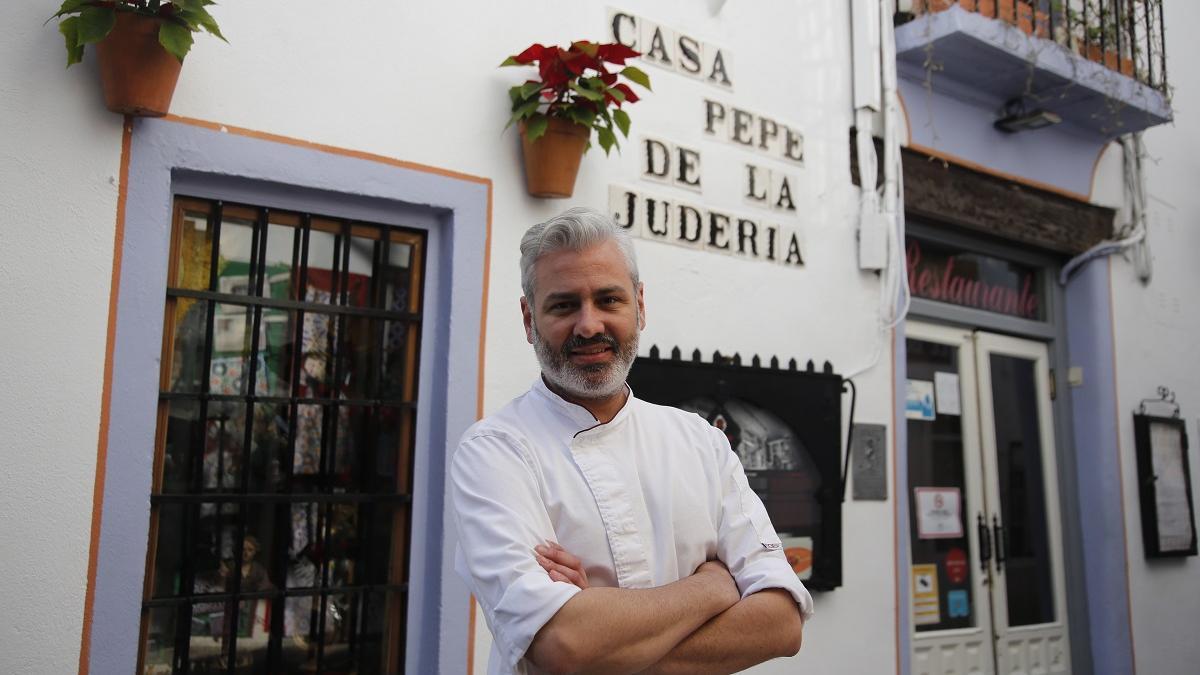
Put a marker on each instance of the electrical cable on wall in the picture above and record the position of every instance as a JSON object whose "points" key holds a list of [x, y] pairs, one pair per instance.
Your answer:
{"points": [[886, 199], [898, 297], [1132, 236]]}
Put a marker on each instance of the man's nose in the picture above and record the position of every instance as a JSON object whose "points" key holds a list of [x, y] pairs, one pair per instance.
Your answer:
{"points": [[590, 322]]}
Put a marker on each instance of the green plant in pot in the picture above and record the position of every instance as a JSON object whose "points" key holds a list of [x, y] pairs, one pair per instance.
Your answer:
{"points": [[140, 46], [1099, 31], [578, 90]]}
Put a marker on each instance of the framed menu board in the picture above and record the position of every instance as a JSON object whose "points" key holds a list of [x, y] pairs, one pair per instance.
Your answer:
{"points": [[1164, 486]]}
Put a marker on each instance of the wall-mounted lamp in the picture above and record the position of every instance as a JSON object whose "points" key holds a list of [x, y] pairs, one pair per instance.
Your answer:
{"points": [[1016, 117]]}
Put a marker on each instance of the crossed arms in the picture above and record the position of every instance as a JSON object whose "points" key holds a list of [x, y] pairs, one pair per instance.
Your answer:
{"points": [[698, 624], [542, 610]]}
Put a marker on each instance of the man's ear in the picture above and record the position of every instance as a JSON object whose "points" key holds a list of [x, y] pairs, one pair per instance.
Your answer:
{"points": [[527, 319], [641, 304]]}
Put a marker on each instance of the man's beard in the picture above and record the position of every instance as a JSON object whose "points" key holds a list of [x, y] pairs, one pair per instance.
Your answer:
{"points": [[590, 382]]}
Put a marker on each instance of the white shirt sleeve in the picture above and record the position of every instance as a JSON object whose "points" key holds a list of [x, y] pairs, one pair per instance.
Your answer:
{"points": [[500, 518], [746, 540]]}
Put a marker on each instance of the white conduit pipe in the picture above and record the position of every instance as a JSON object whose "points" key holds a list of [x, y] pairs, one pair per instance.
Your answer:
{"points": [[893, 283], [897, 298], [1134, 233], [868, 168]]}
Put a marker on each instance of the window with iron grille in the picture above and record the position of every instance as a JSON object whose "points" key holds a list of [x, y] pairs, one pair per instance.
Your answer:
{"points": [[280, 505]]}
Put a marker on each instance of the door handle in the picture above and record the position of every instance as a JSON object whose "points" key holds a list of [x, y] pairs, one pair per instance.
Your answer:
{"points": [[1001, 553], [985, 543]]}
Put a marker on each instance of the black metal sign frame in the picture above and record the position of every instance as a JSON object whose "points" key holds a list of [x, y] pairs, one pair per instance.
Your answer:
{"points": [[785, 425], [1149, 481]]}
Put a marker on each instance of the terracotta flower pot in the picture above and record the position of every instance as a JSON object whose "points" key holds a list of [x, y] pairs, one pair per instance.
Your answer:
{"points": [[552, 161], [1007, 11], [137, 74], [1109, 59], [927, 6], [985, 7], [1025, 18], [1041, 24]]}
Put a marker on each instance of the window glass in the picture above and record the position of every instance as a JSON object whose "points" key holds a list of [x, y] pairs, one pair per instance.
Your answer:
{"points": [[943, 566], [279, 514], [960, 277], [1025, 540]]}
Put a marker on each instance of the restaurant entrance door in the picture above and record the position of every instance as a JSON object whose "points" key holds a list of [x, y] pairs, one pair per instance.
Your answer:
{"points": [[986, 575]]}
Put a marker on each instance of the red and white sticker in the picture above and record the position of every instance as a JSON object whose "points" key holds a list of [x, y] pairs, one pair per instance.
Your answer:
{"points": [[956, 565]]}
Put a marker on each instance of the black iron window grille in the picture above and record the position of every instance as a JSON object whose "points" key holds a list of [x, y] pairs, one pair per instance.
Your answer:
{"points": [[1123, 35], [280, 503]]}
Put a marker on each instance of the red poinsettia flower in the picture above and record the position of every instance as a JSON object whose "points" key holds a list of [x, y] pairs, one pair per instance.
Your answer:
{"points": [[577, 61], [575, 84], [553, 72], [630, 97], [617, 53], [532, 53]]}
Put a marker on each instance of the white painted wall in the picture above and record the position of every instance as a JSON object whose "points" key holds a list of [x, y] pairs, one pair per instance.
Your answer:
{"points": [[59, 161], [1155, 333], [418, 82]]}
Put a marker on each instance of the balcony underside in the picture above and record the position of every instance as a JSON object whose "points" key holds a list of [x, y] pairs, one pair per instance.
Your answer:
{"points": [[979, 58]]}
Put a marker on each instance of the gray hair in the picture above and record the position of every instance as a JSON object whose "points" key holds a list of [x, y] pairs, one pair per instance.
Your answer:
{"points": [[575, 229]]}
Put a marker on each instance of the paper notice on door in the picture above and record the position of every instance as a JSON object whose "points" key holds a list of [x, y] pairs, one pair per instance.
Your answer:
{"points": [[939, 512], [918, 401], [925, 595], [945, 388]]}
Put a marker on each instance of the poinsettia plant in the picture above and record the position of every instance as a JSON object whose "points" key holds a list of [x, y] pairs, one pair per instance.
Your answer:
{"points": [[90, 21], [580, 84]]}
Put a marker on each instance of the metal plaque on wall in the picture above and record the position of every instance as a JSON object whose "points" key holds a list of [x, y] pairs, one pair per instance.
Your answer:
{"points": [[868, 461]]}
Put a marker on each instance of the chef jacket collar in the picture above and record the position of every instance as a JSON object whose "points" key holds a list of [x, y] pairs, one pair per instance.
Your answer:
{"points": [[579, 415]]}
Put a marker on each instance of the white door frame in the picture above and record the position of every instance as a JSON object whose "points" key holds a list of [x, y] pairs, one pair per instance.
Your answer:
{"points": [[960, 650], [1040, 648], [992, 645]]}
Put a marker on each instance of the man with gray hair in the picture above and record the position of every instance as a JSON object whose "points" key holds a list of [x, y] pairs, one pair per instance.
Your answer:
{"points": [[601, 533]]}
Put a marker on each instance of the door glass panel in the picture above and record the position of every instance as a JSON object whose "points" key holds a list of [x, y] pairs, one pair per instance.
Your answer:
{"points": [[1021, 475], [935, 460]]}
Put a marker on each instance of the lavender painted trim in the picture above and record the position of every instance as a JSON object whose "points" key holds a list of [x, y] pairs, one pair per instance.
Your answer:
{"points": [[1089, 336], [1062, 156], [167, 157], [900, 425], [961, 38]]}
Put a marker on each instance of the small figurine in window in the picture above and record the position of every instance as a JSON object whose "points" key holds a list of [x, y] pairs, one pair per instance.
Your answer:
{"points": [[254, 573]]}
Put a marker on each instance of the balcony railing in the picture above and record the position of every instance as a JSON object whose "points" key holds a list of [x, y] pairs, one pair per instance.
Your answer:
{"points": [[1123, 35]]}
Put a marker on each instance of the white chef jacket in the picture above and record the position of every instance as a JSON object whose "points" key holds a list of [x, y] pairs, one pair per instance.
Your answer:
{"points": [[642, 500]]}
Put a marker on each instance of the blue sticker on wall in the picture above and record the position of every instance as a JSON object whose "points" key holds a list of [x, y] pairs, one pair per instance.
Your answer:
{"points": [[958, 604]]}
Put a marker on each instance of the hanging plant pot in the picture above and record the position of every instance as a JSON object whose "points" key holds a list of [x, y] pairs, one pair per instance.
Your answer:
{"points": [[568, 91], [138, 75], [552, 161]]}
